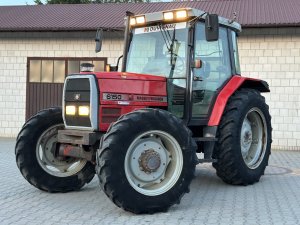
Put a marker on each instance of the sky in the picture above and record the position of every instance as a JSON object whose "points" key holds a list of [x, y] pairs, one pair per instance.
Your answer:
{"points": [[16, 2]]}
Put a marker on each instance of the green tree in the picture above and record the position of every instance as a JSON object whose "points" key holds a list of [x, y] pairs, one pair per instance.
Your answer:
{"points": [[38, 2], [119, 1], [41, 2]]}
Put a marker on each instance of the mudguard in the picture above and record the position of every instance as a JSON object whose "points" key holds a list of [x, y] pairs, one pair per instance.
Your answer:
{"points": [[235, 83]]}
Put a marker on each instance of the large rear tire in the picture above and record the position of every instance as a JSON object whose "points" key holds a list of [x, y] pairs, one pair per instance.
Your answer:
{"points": [[244, 139], [146, 161], [36, 159]]}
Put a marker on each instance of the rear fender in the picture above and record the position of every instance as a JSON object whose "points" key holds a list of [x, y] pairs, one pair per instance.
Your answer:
{"points": [[234, 84]]}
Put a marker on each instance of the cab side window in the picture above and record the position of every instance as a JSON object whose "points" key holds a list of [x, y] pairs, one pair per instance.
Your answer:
{"points": [[236, 53], [216, 68]]}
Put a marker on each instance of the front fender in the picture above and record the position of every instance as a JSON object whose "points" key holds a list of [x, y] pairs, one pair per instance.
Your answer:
{"points": [[235, 83]]}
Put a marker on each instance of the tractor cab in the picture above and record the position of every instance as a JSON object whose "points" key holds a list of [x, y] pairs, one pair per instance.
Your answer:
{"points": [[195, 51]]}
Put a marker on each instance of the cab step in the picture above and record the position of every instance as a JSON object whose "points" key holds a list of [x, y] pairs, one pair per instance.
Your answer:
{"points": [[206, 160], [205, 139]]}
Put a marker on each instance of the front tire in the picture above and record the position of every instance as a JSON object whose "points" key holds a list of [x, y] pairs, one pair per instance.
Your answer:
{"points": [[146, 161], [36, 159], [244, 139]]}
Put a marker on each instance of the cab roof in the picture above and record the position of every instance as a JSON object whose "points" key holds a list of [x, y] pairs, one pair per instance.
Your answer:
{"points": [[191, 13]]}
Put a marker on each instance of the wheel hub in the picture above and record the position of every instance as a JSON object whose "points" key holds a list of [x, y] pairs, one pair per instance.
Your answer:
{"points": [[149, 161], [46, 153], [153, 162], [253, 138], [246, 136]]}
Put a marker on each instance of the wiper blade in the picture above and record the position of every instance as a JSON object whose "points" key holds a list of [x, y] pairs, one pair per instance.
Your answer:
{"points": [[169, 41], [166, 36]]}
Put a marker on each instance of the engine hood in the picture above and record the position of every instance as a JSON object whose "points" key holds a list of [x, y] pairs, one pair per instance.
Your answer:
{"points": [[128, 76], [121, 93]]}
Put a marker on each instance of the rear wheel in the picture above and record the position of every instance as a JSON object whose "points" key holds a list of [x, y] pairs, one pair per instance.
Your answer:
{"points": [[37, 159], [146, 161], [244, 139]]}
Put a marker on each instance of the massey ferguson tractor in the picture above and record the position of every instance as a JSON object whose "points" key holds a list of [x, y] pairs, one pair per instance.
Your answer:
{"points": [[179, 92]]}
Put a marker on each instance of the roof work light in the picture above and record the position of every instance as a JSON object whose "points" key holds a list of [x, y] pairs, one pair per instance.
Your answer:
{"points": [[139, 20], [175, 15], [168, 16], [182, 14]]}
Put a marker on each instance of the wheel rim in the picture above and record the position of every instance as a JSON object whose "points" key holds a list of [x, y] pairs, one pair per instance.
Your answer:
{"points": [[153, 163], [254, 138], [55, 165]]}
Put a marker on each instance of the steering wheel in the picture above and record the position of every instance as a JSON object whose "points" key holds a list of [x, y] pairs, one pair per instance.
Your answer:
{"points": [[159, 65]]}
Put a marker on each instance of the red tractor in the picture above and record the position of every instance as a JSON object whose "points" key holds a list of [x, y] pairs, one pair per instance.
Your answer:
{"points": [[179, 93]]}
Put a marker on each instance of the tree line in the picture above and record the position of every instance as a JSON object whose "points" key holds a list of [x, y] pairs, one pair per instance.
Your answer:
{"points": [[45, 2]]}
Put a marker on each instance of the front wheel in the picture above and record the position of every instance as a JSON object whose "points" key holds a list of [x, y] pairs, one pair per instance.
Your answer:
{"points": [[37, 159], [146, 161], [244, 139]]}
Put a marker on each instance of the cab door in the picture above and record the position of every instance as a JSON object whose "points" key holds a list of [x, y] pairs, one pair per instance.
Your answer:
{"points": [[215, 70]]}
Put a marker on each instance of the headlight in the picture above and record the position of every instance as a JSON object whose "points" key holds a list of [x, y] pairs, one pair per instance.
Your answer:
{"points": [[70, 110], [84, 111]]}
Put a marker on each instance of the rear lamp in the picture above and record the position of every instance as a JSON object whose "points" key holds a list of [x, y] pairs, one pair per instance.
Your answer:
{"points": [[182, 14], [70, 110], [168, 16], [84, 111]]}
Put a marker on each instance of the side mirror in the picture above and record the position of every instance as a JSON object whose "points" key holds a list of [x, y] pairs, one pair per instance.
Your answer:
{"points": [[212, 27], [98, 40]]}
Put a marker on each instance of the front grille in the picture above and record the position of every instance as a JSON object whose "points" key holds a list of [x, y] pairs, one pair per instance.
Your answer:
{"points": [[79, 91]]}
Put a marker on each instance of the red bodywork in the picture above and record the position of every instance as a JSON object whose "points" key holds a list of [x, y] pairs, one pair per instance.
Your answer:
{"points": [[151, 91], [140, 90], [233, 84]]}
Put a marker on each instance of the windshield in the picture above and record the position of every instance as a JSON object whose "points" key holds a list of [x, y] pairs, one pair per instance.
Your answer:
{"points": [[154, 49]]}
